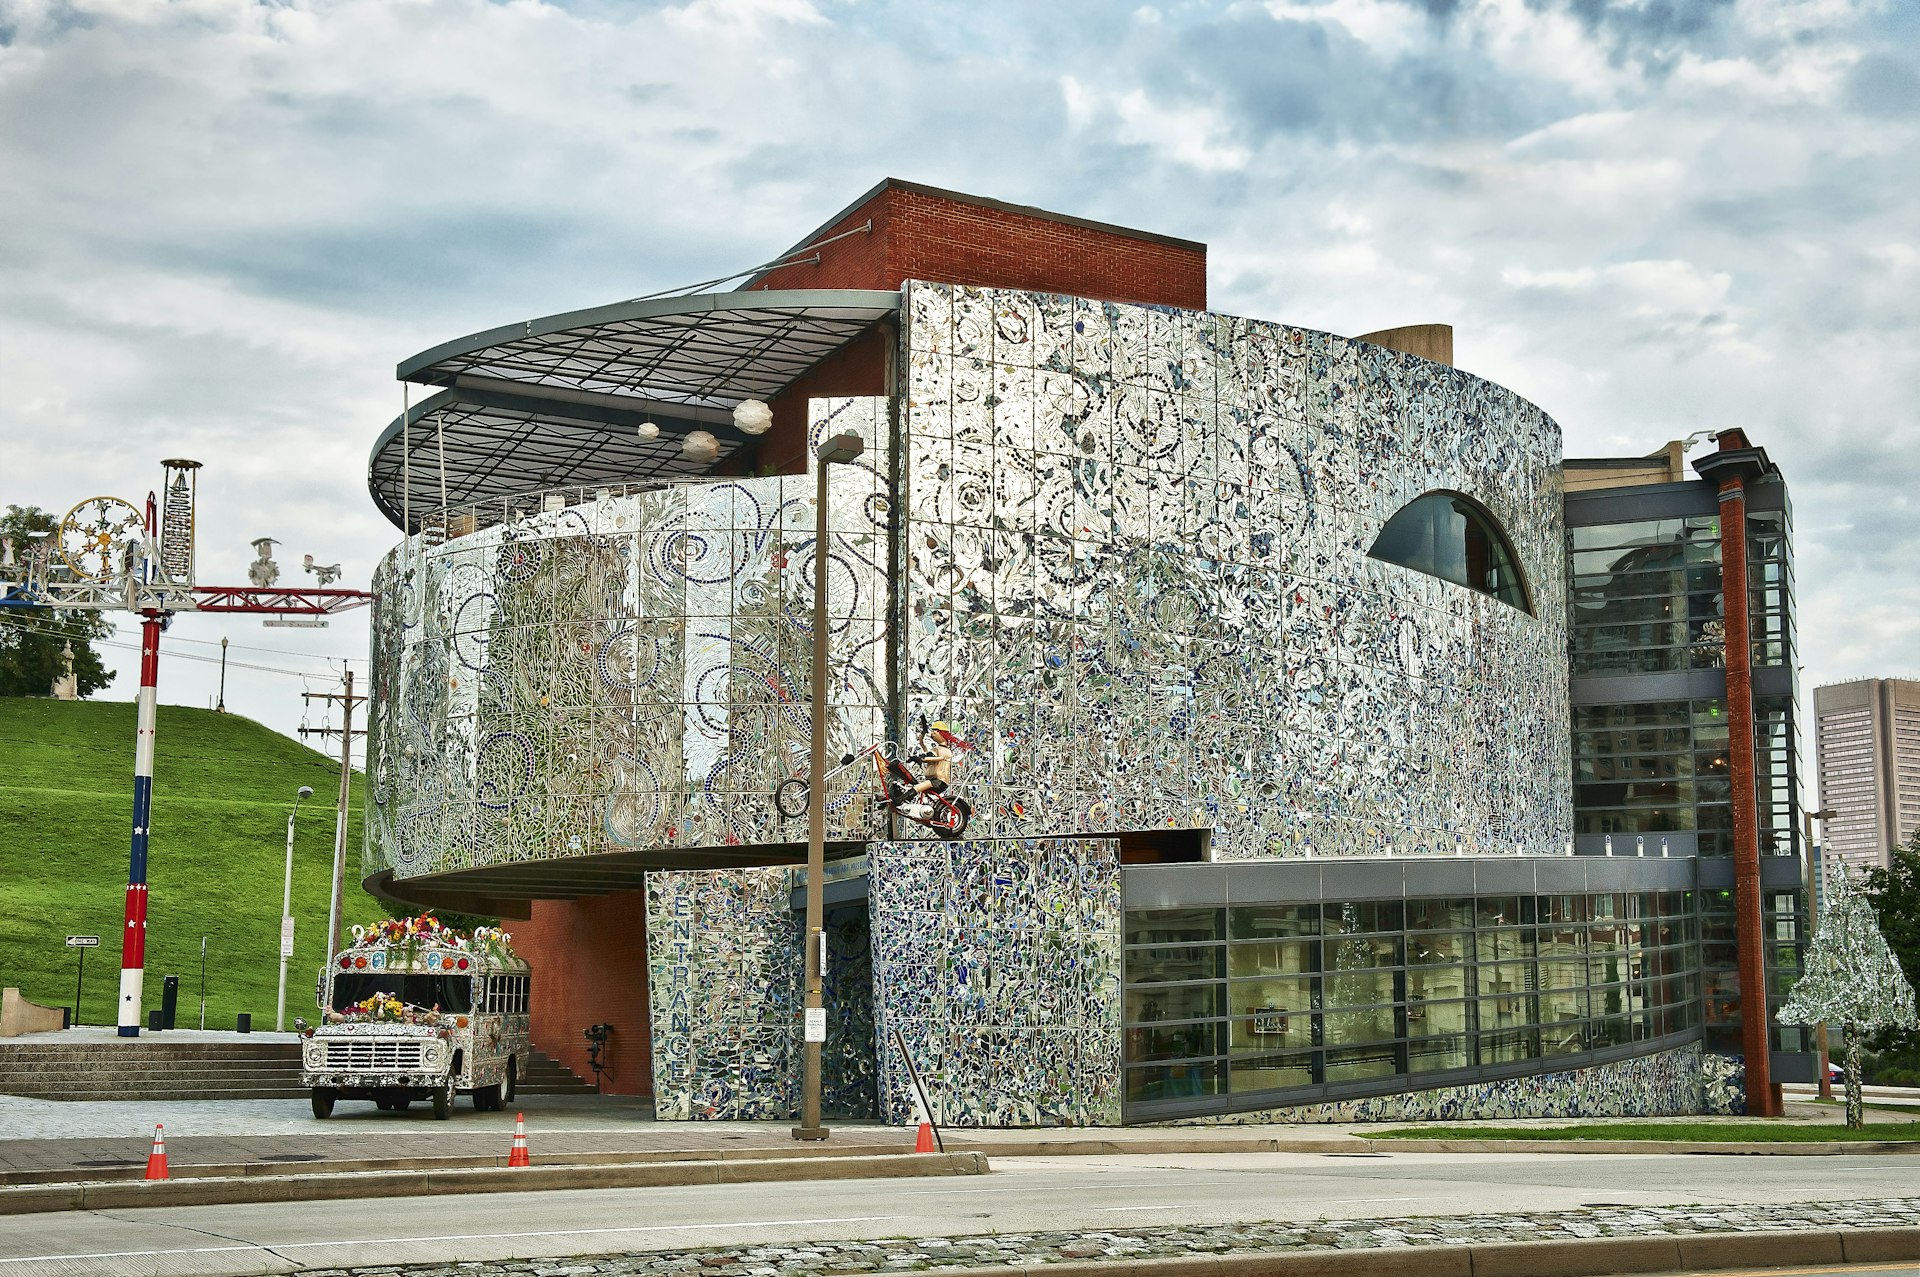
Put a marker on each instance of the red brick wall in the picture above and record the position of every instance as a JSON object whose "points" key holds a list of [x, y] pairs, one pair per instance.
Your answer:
{"points": [[589, 961], [919, 234], [859, 368]]}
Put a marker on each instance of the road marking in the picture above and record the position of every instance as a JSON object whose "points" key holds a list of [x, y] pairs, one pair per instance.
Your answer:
{"points": [[1348, 1201], [450, 1237], [1170, 1206]]}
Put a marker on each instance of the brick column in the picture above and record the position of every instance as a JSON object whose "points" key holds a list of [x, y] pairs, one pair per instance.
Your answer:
{"points": [[1731, 467]]}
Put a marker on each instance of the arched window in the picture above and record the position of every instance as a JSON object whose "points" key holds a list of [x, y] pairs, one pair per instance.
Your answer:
{"points": [[1449, 536]]}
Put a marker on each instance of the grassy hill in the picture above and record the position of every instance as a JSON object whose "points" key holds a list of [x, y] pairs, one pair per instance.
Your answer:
{"points": [[222, 788]]}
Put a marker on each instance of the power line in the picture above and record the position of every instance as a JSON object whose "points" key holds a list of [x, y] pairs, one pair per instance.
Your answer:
{"points": [[52, 630]]}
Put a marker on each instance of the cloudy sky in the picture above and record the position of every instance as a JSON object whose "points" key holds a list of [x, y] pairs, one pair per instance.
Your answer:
{"points": [[225, 222]]}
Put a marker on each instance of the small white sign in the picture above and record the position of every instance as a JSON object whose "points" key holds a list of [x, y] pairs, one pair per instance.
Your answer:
{"points": [[286, 937], [82, 942], [816, 1025]]}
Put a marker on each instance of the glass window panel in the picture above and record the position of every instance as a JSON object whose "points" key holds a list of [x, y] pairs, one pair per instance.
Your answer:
{"points": [[1502, 946], [1563, 973], [1431, 983], [1430, 1054], [1354, 917], [1278, 957], [1271, 1072], [1245, 997], [1172, 1002], [1433, 1019], [1502, 1013], [1508, 977], [1562, 1037], [1445, 535], [1352, 952], [1189, 962], [1498, 911], [1174, 1042], [1358, 988], [1173, 1081], [1346, 1028], [1272, 1028], [1559, 1005], [1439, 915], [1172, 926], [1258, 922], [1431, 949], [1356, 1063], [1509, 1046]]}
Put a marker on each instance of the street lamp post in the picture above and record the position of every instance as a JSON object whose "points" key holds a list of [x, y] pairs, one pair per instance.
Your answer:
{"points": [[838, 450], [286, 916], [1816, 882]]}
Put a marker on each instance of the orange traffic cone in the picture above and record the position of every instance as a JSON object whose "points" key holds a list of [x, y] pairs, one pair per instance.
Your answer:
{"points": [[519, 1155], [923, 1143], [157, 1159]]}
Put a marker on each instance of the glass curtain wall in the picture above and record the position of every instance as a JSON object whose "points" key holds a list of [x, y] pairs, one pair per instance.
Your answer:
{"points": [[1264, 1005]]}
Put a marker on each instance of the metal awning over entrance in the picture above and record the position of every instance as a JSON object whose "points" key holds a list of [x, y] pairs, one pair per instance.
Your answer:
{"points": [[557, 402]]}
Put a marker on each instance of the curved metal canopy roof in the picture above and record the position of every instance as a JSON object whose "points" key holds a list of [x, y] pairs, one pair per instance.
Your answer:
{"points": [[554, 402]]}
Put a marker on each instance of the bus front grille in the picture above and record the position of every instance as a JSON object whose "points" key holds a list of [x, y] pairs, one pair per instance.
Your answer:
{"points": [[374, 1055]]}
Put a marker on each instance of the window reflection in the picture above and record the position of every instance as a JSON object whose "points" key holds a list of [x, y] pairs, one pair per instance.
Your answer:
{"points": [[1444, 534]]}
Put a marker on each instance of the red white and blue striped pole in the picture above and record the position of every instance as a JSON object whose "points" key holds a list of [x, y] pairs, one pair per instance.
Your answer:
{"points": [[133, 943]]}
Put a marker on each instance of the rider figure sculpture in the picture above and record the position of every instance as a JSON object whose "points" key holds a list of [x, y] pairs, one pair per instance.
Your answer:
{"points": [[937, 744]]}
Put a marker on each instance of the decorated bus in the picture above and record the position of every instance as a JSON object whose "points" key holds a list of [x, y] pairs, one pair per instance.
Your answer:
{"points": [[414, 1010]]}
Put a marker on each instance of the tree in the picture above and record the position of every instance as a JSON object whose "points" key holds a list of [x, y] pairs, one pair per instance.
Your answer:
{"points": [[33, 638], [1894, 893], [1852, 979]]}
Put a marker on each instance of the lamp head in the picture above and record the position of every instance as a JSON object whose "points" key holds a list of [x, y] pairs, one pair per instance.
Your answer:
{"points": [[306, 791], [839, 449]]}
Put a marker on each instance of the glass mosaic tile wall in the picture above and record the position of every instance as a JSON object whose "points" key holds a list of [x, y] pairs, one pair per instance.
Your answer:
{"points": [[1135, 576], [998, 963], [723, 973], [625, 673]]}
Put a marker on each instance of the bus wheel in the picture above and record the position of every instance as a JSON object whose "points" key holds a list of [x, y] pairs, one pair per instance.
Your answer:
{"points": [[322, 1102], [513, 1080], [443, 1103]]}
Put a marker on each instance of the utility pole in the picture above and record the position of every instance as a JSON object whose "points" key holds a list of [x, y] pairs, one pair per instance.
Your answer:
{"points": [[346, 733]]}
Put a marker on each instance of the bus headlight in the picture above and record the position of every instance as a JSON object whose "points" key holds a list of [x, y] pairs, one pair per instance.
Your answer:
{"points": [[316, 1054]]}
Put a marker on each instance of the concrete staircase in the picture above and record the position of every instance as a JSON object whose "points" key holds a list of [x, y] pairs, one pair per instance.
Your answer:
{"points": [[151, 1068], [547, 1076]]}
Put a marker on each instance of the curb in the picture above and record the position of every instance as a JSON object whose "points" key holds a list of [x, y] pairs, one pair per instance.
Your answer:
{"points": [[1572, 1257], [207, 1191], [135, 1171], [1728, 1148]]}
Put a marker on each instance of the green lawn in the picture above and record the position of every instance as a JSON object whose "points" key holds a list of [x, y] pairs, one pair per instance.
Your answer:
{"points": [[1759, 1131], [222, 789]]}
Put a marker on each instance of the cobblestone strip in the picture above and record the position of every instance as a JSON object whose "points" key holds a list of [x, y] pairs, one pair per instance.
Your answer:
{"points": [[896, 1255]]}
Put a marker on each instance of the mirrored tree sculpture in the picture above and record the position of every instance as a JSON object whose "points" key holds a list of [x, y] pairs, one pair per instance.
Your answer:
{"points": [[1852, 980]]}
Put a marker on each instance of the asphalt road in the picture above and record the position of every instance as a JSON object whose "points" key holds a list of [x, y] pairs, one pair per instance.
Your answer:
{"points": [[1022, 1194]]}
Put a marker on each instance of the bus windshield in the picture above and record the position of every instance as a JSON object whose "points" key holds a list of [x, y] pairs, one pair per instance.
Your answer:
{"points": [[428, 992]]}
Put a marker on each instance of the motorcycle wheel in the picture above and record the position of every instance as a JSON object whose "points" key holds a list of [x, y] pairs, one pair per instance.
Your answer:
{"points": [[791, 798], [952, 820]]}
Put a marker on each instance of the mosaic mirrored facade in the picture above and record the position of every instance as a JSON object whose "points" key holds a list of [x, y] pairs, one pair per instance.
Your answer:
{"points": [[626, 673], [998, 964], [1135, 571], [1123, 550], [723, 969]]}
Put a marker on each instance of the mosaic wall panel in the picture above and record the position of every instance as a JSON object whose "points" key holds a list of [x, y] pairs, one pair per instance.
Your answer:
{"points": [[1664, 1084], [628, 672], [723, 972], [1134, 575], [999, 964]]}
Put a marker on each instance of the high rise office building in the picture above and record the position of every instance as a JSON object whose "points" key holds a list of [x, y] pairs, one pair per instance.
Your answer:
{"points": [[1867, 735]]}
